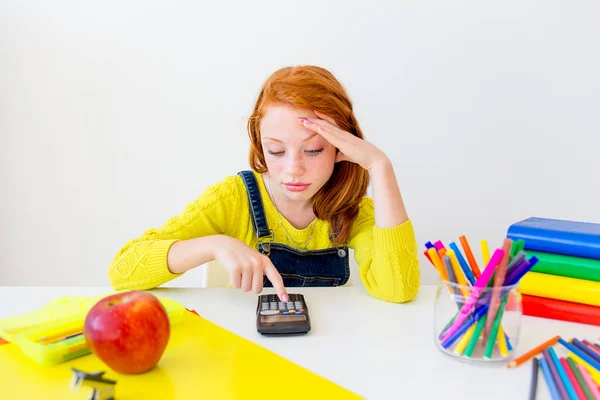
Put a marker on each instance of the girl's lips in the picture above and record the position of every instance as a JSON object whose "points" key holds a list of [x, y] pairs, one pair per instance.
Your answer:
{"points": [[296, 187]]}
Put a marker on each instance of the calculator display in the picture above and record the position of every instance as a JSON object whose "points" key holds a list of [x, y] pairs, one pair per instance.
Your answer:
{"points": [[270, 319]]}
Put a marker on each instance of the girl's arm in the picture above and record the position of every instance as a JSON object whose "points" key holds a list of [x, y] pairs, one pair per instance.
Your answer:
{"points": [[187, 254], [382, 237], [183, 242], [387, 256], [389, 207]]}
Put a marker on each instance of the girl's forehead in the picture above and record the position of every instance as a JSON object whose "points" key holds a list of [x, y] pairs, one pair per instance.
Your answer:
{"points": [[285, 114], [281, 123]]}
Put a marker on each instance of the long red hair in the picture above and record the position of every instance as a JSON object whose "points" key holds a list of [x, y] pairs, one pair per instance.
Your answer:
{"points": [[315, 88]]}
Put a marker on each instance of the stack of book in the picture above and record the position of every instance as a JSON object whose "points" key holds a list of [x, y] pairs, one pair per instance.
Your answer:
{"points": [[565, 283]]}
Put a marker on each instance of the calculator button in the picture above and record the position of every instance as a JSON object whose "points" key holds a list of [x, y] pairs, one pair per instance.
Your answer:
{"points": [[300, 311], [292, 311], [286, 313], [269, 312], [265, 307]]}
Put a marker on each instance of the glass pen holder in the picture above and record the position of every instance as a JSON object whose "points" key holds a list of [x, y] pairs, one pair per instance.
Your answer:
{"points": [[479, 325]]}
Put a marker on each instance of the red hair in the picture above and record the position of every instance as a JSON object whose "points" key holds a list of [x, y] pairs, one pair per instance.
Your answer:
{"points": [[315, 88]]}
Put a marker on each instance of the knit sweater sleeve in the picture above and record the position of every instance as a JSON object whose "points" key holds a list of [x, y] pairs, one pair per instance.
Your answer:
{"points": [[142, 262], [387, 257]]}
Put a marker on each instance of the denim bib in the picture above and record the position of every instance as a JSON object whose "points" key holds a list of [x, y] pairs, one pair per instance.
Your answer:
{"points": [[325, 267]]}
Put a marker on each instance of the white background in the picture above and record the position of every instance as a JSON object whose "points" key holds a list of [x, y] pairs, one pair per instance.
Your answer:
{"points": [[114, 115]]}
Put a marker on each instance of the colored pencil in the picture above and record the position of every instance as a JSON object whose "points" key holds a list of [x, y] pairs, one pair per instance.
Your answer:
{"points": [[504, 345], [59, 336], [489, 348], [579, 354], [475, 337], [437, 262], [530, 264], [458, 272], [462, 343], [463, 263], [578, 389], [563, 375], [555, 375], [517, 247], [458, 295], [463, 328], [580, 379], [534, 379], [517, 270], [591, 346], [590, 383], [511, 265], [549, 380], [502, 342], [485, 251], [477, 289], [428, 257], [498, 282], [64, 338], [470, 257], [439, 245], [590, 353], [595, 373], [533, 352]]}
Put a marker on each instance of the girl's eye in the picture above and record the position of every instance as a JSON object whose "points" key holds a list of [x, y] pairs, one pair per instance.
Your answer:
{"points": [[276, 153], [313, 152]]}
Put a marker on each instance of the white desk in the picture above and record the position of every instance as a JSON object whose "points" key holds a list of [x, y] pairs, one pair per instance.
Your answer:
{"points": [[378, 350]]}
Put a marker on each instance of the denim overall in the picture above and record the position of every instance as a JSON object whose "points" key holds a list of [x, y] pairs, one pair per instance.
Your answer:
{"points": [[326, 267]]}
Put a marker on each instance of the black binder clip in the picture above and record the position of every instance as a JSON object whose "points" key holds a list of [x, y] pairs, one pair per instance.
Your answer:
{"points": [[103, 389]]}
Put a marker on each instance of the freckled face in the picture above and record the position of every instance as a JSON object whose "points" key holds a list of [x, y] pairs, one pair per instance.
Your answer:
{"points": [[299, 161]]}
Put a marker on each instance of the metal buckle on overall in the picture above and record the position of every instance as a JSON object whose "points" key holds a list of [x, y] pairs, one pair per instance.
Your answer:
{"points": [[341, 252], [265, 242]]}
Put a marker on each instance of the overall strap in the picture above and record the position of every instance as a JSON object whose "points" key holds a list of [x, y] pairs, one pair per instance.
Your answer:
{"points": [[257, 211]]}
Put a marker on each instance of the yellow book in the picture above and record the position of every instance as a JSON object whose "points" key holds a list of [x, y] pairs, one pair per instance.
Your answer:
{"points": [[561, 288], [202, 361]]}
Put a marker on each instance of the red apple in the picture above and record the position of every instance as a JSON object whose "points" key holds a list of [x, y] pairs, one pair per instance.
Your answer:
{"points": [[128, 331]]}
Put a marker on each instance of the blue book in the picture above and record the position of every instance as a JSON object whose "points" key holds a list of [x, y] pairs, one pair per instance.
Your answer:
{"points": [[573, 238]]}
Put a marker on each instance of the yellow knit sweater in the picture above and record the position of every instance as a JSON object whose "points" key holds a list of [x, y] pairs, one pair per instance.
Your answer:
{"points": [[387, 257]]}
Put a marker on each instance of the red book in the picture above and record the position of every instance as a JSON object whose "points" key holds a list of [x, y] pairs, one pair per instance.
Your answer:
{"points": [[559, 309]]}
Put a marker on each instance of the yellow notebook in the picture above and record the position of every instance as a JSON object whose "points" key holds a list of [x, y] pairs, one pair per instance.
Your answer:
{"points": [[561, 288], [202, 361]]}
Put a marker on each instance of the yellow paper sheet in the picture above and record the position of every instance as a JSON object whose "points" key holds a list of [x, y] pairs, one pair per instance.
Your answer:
{"points": [[202, 361]]}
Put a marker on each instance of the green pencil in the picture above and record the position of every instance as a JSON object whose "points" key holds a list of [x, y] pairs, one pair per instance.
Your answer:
{"points": [[580, 379], [494, 332], [475, 337]]}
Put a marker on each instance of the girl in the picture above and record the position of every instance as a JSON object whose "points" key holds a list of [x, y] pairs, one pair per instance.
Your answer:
{"points": [[290, 221]]}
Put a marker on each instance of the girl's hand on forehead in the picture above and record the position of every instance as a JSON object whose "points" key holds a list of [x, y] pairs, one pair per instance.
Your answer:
{"points": [[351, 148]]}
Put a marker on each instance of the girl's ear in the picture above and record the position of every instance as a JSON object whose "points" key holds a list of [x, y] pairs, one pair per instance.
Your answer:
{"points": [[340, 156]]}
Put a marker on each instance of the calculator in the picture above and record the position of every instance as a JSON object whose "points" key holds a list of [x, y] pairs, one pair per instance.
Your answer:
{"points": [[279, 317]]}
